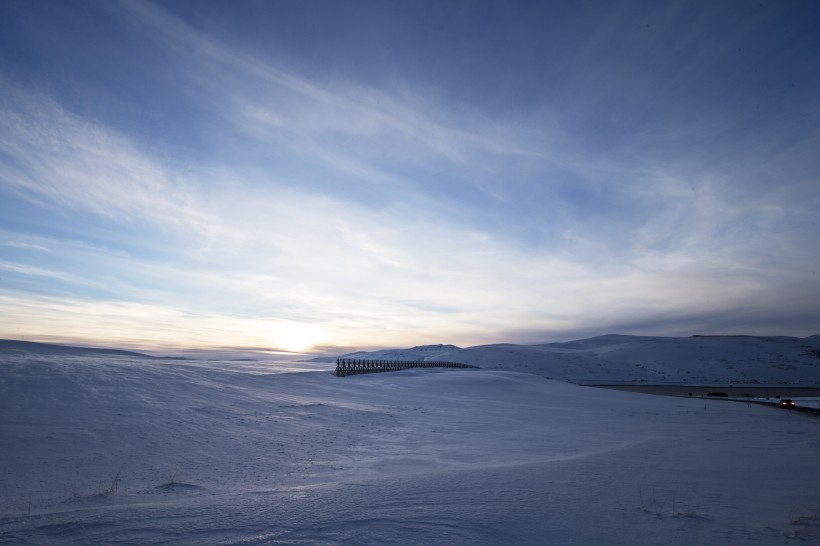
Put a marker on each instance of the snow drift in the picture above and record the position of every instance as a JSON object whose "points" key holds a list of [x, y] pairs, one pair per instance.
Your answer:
{"points": [[110, 449]]}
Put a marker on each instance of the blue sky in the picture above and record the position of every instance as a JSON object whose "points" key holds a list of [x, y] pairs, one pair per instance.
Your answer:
{"points": [[321, 176]]}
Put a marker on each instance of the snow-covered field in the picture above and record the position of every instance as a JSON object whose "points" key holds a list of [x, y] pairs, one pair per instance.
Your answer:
{"points": [[118, 450]]}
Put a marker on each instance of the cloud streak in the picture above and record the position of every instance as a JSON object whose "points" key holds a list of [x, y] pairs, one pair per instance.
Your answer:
{"points": [[393, 215], [61, 159]]}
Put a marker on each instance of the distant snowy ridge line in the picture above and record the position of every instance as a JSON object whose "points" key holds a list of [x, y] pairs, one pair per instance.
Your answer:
{"points": [[623, 358], [32, 347], [699, 359]]}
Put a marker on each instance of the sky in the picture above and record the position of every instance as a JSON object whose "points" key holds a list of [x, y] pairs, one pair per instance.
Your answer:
{"points": [[322, 176]]}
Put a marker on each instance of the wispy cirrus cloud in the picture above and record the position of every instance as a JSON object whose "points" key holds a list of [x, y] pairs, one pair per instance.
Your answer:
{"points": [[394, 214], [344, 137], [60, 159]]}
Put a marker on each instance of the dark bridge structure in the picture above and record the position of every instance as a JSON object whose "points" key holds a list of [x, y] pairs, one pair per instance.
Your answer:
{"points": [[354, 366]]}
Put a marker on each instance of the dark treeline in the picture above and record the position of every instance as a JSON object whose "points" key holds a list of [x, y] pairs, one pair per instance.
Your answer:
{"points": [[353, 366]]}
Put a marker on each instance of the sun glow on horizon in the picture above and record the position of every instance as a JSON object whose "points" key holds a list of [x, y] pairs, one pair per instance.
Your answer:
{"points": [[297, 337]]}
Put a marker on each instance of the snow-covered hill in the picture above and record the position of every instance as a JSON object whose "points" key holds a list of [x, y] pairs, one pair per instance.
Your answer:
{"points": [[14, 346], [103, 447], [118, 450], [617, 358]]}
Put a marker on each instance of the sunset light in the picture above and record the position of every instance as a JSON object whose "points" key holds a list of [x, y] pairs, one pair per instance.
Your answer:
{"points": [[297, 337]]}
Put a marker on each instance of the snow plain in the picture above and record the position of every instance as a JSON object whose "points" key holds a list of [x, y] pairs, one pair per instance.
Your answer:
{"points": [[119, 450]]}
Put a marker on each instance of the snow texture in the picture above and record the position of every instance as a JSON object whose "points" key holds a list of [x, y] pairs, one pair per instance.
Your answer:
{"points": [[108, 449]]}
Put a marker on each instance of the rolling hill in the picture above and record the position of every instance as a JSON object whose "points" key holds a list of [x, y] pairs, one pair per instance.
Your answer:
{"points": [[621, 358], [13, 346]]}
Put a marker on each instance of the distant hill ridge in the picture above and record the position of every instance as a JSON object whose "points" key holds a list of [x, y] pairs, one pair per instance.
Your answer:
{"points": [[701, 359], [32, 347], [622, 358]]}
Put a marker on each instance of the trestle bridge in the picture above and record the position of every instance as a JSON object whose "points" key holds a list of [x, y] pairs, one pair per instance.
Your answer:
{"points": [[354, 366]]}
